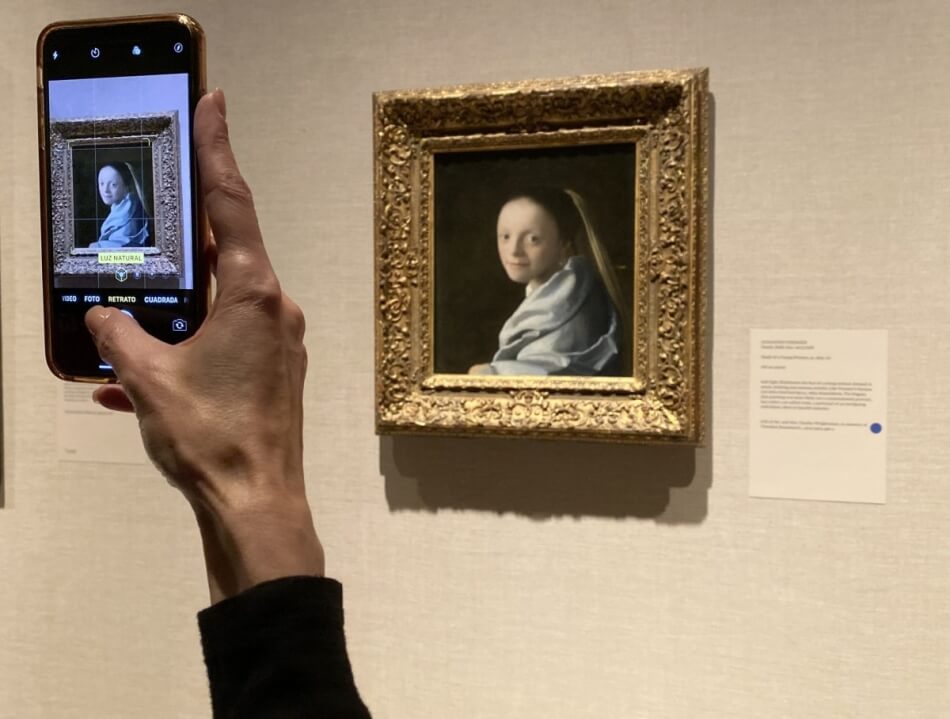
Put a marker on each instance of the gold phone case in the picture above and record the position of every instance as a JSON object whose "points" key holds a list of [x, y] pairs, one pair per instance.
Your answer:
{"points": [[202, 279]]}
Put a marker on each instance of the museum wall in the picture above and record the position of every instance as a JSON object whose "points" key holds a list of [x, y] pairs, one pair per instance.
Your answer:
{"points": [[519, 578]]}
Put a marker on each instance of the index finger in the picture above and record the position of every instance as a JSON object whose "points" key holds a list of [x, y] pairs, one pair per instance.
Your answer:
{"points": [[227, 198]]}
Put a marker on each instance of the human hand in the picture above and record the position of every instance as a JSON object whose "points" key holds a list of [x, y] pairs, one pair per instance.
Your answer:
{"points": [[480, 369], [221, 414]]}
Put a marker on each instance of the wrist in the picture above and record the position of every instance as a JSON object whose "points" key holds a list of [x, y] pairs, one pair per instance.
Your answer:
{"points": [[272, 539], [259, 540]]}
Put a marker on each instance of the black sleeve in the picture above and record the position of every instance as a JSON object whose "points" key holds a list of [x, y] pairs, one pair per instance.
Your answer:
{"points": [[278, 650]]}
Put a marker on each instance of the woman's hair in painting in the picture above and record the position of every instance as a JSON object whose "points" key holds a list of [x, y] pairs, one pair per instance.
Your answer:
{"points": [[558, 203], [569, 211]]}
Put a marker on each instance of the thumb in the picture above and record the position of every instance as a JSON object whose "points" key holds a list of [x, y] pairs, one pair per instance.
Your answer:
{"points": [[120, 340]]}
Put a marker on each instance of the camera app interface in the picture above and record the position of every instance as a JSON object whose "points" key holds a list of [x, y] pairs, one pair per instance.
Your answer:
{"points": [[120, 183]]}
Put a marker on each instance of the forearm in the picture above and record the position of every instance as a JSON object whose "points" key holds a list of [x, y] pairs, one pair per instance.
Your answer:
{"points": [[245, 545], [278, 650]]}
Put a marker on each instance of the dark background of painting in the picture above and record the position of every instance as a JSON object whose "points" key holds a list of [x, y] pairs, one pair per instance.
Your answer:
{"points": [[88, 208], [473, 295]]}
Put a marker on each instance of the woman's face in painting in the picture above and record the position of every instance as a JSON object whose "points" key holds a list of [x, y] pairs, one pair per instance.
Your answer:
{"points": [[112, 187], [529, 243]]}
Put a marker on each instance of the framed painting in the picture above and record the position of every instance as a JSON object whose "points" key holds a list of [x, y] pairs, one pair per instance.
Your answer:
{"points": [[139, 155], [540, 258]]}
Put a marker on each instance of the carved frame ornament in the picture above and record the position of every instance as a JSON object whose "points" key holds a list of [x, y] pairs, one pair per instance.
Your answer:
{"points": [[161, 132], [665, 113]]}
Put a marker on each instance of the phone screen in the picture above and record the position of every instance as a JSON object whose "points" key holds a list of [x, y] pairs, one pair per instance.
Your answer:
{"points": [[121, 211]]}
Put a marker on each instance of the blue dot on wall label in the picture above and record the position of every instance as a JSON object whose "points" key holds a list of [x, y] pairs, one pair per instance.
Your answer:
{"points": [[876, 428]]}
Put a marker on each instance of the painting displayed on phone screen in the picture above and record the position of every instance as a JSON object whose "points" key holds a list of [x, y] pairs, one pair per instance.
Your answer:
{"points": [[120, 189]]}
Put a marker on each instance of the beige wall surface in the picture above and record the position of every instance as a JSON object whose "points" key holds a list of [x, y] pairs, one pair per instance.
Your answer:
{"points": [[528, 579]]}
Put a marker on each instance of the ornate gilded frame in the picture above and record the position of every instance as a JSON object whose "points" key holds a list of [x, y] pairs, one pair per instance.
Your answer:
{"points": [[161, 132], [665, 114]]}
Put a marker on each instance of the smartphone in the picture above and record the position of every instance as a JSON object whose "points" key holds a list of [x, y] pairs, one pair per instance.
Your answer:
{"points": [[122, 219]]}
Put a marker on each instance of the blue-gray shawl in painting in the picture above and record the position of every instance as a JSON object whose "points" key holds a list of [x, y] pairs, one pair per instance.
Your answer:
{"points": [[126, 225], [567, 326]]}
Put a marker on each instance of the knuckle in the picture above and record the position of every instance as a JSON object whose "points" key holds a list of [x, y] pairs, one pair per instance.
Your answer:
{"points": [[296, 321], [230, 188], [244, 266], [257, 283], [264, 294], [268, 293]]}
